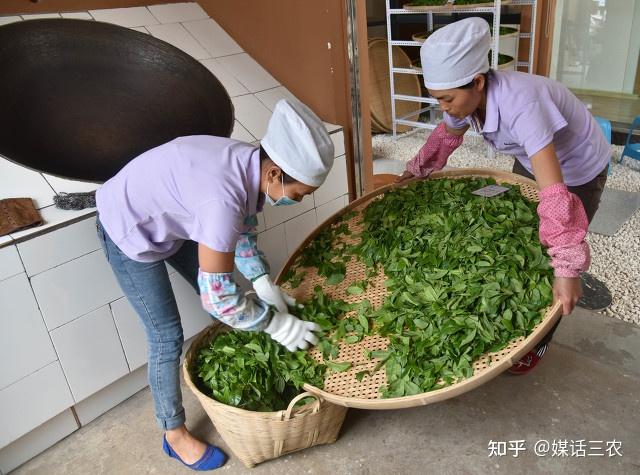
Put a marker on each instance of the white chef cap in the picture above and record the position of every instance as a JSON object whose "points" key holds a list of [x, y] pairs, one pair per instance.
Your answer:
{"points": [[453, 55], [297, 141]]}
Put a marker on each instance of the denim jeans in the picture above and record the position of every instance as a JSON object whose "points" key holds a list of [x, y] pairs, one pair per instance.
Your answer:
{"points": [[148, 288]]}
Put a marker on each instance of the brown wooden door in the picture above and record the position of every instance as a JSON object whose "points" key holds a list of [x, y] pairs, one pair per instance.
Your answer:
{"points": [[544, 34]]}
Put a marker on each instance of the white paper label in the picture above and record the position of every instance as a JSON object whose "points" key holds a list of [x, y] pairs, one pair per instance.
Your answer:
{"points": [[491, 190]]}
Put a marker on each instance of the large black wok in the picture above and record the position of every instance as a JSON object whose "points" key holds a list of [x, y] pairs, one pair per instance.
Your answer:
{"points": [[79, 99]]}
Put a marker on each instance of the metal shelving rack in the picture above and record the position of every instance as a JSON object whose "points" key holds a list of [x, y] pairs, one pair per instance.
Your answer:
{"points": [[433, 103]]}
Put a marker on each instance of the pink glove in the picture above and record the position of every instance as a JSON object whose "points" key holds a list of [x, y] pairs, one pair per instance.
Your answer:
{"points": [[563, 227], [434, 154]]}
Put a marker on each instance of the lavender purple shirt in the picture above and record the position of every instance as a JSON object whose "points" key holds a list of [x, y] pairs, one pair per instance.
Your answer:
{"points": [[199, 188], [525, 113]]}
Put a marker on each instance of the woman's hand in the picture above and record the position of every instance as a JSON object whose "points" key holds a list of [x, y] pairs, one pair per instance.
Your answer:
{"points": [[270, 293], [406, 176], [567, 290]]}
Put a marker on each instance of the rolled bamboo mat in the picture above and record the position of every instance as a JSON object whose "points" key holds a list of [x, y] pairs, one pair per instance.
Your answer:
{"points": [[407, 84]]}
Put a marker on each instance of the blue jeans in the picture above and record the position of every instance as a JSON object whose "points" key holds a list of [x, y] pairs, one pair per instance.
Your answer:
{"points": [[148, 289]]}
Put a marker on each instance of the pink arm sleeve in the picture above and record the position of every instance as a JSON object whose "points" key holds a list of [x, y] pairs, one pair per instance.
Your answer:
{"points": [[563, 227], [434, 153]]}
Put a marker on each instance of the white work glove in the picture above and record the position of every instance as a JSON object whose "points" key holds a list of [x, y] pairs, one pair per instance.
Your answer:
{"points": [[291, 332], [270, 293]]}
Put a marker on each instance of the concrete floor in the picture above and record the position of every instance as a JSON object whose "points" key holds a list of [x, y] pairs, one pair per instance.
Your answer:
{"points": [[587, 387]]}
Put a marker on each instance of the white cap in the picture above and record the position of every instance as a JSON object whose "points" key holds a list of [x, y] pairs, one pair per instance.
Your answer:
{"points": [[453, 55], [297, 141]]}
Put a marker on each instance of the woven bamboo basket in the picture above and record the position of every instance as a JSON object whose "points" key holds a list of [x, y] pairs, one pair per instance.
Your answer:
{"points": [[446, 6], [376, 127], [343, 388], [511, 34], [479, 4], [417, 64], [255, 437], [423, 35], [509, 64], [449, 6]]}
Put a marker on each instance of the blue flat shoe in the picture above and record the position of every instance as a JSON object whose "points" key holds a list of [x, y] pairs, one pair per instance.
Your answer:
{"points": [[212, 458]]}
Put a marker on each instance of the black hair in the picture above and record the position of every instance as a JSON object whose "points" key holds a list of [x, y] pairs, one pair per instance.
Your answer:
{"points": [[472, 82], [285, 178]]}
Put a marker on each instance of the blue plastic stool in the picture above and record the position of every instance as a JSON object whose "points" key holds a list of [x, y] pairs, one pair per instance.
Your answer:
{"points": [[605, 125], [632, 149]]}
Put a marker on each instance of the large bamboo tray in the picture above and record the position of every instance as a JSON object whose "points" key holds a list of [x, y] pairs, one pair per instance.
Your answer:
{"points": [[450, 7], [343, 388]]}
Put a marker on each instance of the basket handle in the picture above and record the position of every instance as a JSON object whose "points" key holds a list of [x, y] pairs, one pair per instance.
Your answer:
{"points": [[299, 397], [312, 437]]}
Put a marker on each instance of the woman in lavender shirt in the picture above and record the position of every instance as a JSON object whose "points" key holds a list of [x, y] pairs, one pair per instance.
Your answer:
{"points": [[552, 135], [192, 203]]}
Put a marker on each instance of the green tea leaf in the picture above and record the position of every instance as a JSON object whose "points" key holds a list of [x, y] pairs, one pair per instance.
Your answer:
{"points": [[361, 374], [338, 367], [354, 290], [352, 339], [335, 279]]}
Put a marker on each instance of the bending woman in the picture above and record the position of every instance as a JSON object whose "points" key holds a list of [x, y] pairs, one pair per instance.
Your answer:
{"points": [[192, 203]]}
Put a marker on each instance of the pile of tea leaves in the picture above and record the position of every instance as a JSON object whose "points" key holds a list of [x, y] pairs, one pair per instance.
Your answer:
{"points": [[251, 371]]}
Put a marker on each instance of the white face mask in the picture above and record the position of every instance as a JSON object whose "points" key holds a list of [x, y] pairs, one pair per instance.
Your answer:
{"points": [[283, 200]]}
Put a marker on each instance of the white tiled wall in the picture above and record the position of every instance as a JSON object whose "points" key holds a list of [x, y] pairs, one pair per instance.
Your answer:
{"points": [[40, 16], [134, 16], [5, 20], [90, 352], [252, 76], [214, 39], [77, 15], [334, 186], [178, 12], [242, 134], [131, 333], [38, 440], [5, 240], [23, 407], [52, 249], [274, 246], [69, 186], [230, 83], [252, 113], [189, 304], [97, 404], [178, 36], [271, 96], [75, 288], [298, 228], [325, 211], [20, 182], [10, 264], [25, 346], [274, 215]]}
